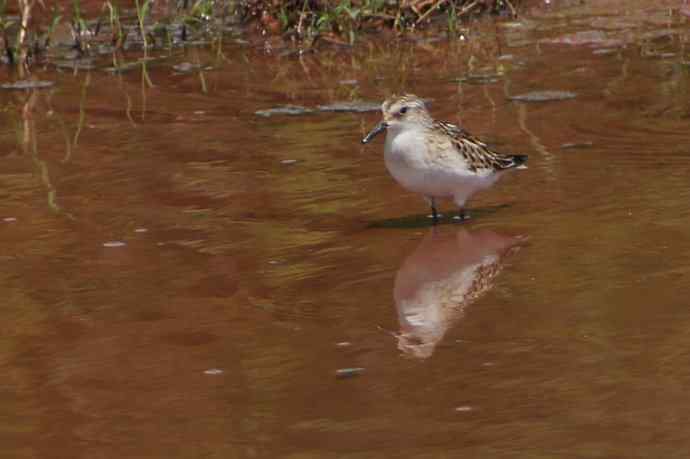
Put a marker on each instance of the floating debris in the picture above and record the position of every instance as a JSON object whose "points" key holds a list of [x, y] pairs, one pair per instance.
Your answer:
{"points": [[296, 52], [288, 161], [83, 64], [660, 55], [9, 219], [28, 84], [605, 51], [343, 344], [344, 373], [543, 96], [140, 230], [123, 68], [213, 371], [285, 110], [489, 78], [567, 146], [463, 409], [111, 244], [186, 67], [585, 37], [356, 106]]}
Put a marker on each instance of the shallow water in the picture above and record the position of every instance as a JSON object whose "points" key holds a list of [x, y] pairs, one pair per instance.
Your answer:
{"points": [[184, 278]]}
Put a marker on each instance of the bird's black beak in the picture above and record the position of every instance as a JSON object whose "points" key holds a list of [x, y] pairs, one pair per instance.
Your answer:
{"points": [[374, 132]]}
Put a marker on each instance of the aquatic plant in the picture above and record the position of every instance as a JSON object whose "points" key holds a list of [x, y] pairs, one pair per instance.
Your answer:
{"points": [[117, 35], [142, 12]]}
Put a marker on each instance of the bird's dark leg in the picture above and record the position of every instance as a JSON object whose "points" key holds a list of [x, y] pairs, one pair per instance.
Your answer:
{"points": [[434, 212], [461, 216]]}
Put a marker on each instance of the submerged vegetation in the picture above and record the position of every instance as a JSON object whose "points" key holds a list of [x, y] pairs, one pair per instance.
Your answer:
{"points": [[29, 28]]}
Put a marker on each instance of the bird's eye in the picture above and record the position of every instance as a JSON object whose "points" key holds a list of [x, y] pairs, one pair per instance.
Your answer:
{"points": [[403, 110]]}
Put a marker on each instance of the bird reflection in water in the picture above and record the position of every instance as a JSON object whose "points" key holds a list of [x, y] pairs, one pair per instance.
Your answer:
{"points": [[447, 272]]}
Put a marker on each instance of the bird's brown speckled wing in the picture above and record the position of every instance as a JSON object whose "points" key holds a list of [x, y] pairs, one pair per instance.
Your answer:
{"points": [[477, 154]]}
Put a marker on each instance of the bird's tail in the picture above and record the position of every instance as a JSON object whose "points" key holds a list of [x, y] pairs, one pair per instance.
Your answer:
{"points": [[519, 161]]}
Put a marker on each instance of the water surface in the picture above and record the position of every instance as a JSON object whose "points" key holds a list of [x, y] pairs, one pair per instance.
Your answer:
{"points": [[183, 278]]}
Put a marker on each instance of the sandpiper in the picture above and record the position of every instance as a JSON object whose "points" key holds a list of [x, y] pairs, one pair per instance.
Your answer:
{"points": [[435, 158]]}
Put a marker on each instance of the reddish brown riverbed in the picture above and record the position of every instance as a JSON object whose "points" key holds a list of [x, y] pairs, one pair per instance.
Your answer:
{"points": [[182, 278]]}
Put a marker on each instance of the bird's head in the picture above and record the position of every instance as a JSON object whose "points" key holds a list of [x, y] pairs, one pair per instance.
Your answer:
{"points": [[398, 112]]}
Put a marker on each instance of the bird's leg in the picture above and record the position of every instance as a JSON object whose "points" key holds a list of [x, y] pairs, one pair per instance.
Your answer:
{"points": [[434, 212], [462, 215]]}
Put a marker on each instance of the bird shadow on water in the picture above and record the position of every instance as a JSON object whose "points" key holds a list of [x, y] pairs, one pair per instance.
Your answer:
{"points": [[447, 218]]}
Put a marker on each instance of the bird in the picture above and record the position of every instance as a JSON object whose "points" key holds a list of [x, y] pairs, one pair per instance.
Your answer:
{"points": [[435, 158]]}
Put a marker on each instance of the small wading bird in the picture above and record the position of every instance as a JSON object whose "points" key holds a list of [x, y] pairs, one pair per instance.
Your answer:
{"points": [[435, 158]]}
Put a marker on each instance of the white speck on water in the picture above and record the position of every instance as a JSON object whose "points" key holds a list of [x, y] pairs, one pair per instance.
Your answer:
{"points": [[343, 344], [213, 371], [140, 230], [463, 409], [159, 244], [199, 112], [114, 244], [288, 161], [9, 219], [273, 262], [348, 82]]}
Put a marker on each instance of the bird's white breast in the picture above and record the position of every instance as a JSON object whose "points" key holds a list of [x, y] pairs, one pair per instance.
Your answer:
{"points": [[438, 173]]}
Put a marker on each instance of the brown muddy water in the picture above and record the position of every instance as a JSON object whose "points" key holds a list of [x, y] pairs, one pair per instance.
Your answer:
{"points": [[182, 278]]}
